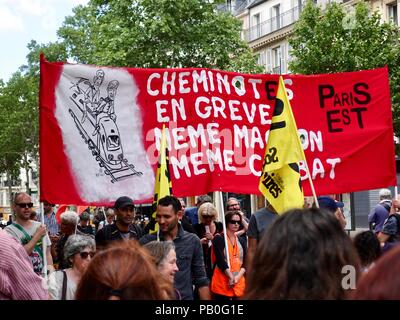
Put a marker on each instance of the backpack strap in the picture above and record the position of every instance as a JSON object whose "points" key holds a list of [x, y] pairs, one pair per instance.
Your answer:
{"points": [[386, 206], [64, 286]]}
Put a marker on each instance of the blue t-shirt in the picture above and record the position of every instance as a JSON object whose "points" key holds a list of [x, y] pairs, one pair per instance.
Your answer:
{"points": [[192, 215]]}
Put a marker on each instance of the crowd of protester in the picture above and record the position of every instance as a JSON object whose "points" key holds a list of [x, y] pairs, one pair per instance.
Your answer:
{"points": [[194, 254]]}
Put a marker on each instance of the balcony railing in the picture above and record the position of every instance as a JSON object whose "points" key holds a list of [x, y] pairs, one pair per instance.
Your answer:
{"points": [[235, 8], [276, 70], [271, 25]]}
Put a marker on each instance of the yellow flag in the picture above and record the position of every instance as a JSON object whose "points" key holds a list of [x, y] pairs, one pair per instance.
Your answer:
{"points": [[280, 181], [163, 185]]}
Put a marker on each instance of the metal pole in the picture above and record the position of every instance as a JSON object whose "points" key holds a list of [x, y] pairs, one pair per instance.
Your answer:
{"points": [[221, 205], [44, 247]]}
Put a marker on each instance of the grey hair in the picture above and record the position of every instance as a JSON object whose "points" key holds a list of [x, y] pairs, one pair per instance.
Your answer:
{"points": [[203, 199], [70, 217], [76, 243], [207, 209], [385, 194], [159, 250], [109, 212]]}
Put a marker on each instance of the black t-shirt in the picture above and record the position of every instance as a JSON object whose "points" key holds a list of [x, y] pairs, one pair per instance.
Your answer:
{"points": [[86, 230], [111, 233]]}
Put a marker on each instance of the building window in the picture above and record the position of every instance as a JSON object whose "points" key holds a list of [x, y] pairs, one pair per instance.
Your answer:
{"points": [[276, 60], [262, 59], [256, 32], [392, 14], [276, 15]]}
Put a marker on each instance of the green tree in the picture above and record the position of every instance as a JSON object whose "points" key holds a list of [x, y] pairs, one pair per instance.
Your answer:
{"points": [[156, 34], [19, 120], [337, 40]]}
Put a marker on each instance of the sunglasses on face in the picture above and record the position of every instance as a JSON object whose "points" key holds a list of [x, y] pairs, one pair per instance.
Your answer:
{"points": [[207, 217], [234, 222], [85, 255], [25, 205]]}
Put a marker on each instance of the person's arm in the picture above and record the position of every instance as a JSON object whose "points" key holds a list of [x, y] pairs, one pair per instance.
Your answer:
{"points": [[395, 206], [252, 233], [40, 232], [239, 275], [200, 279], [204, 293], [389, 229], [19, 281], [219, 247], [251, 252], [49, 258]]}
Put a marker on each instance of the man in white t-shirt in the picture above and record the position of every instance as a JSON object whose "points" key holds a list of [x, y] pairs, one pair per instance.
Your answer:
{"points": [[30, 233]]}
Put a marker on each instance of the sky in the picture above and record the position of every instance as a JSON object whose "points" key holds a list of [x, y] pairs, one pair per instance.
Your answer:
{"points": [[24, 20]]}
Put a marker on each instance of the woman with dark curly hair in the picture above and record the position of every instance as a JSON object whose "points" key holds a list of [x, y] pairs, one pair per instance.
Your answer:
{"points": [[368, 248], [124, 271], [301, 257]]}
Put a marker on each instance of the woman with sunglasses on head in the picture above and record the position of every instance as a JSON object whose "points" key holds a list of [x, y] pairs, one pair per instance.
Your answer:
{"points": [[228, 282], [78, 250], [206, 230]]}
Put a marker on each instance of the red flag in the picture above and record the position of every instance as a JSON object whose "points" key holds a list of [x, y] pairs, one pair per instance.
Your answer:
{"points": [[61, 209], [81, 209], [100, 129]]}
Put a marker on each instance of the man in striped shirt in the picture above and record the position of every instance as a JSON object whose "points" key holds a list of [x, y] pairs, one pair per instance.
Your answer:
{"points": [[50, 219], [18, 281]]}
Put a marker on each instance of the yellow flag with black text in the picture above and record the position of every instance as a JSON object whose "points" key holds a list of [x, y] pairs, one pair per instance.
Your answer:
{"points": [[163, 185], [280, 181]]}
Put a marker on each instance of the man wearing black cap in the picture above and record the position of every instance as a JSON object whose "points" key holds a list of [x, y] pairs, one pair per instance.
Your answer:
{"points": [[124, 227], [333, 206]]}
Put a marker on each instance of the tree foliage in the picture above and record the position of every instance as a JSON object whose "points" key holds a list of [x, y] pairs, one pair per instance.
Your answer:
{"points": [[19, 114], [338, 40], [156, 34]]}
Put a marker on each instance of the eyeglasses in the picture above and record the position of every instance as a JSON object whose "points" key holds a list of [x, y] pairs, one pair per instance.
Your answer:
{"points": [[234, 222], [25, 205], [85, 255], [206, 216]]}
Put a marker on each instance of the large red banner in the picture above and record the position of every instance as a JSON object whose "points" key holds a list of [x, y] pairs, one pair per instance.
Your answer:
{"points": [[100, 130]]}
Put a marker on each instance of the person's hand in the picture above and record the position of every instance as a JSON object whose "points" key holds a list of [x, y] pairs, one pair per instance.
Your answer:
{"points": [[395, 206], [209, 236], [40, 232], [231, 280], [237, 278]]}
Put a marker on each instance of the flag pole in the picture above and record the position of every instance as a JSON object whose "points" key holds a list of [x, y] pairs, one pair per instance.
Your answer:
{"points": [[44, 247], [221, 208], [311, 182], [302, 151]]}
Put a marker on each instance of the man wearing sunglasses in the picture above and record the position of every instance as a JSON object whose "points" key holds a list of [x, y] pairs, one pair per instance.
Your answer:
{"points": [[30, 233], [124, 226]]}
